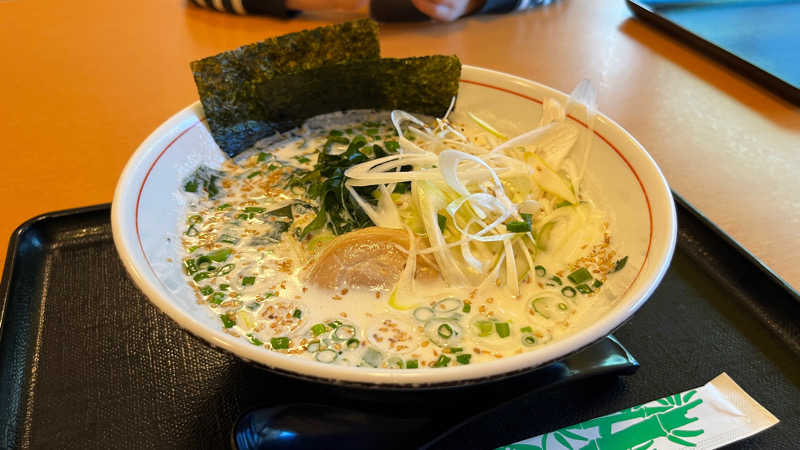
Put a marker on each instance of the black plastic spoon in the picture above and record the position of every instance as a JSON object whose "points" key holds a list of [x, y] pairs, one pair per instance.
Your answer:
{"points": [[315, 426]]}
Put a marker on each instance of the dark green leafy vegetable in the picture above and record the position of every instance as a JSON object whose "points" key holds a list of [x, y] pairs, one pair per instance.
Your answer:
{"points": [[620, 264], [231, 84], [203, 177], [442, 222]]}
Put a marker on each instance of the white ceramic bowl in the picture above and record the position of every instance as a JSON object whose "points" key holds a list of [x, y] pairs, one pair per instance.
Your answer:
{"points": [[146, 211]]}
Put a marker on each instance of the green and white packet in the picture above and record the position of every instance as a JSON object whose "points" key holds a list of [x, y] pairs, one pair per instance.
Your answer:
{"points": [[705, 418]]}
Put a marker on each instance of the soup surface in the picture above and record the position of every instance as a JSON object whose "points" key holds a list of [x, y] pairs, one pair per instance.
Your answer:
{"points": [[378, 240]]}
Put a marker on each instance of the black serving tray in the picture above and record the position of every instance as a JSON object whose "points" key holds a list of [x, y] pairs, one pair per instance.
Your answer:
{"points": [[87, 362], [757, 38]]}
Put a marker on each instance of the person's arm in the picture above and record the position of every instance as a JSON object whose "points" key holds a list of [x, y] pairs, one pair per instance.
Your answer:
{"points": [[270, 7], [444, 10], [279, 8]]}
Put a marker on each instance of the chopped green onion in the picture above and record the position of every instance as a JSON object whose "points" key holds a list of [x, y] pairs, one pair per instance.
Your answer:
{"points": [[456, 349], [262, 157], [318, 329], [540, 271], [412, 364], [371, 131], [193, 248], [620, 264], [442, 220], [279, 343], [562, 306], [220, 255], [223, 206], [583, 289], [443, 361], [226, 269], [302, 159], [326, 356], [503, 329], [224, 287], [526, 330], [518, 227], [597, 284], [446, 305], [395, 362], [467, 308], [344, 332], [227, 321], [313, 346], [191, 229], [201, 276], [254, 174], [391, 146], [562, 204], [528, 218], [556, 280], [579, 276], [254, 340], [297, 314], [528, 340], [353, 343], [206, 290], [464, 358], [445, 331], [191, 266], [269, 294], [216, 298], [248, 281], [335, 324], [203, 260], [190, 186], [272, 167], [194, 219], [372, 357], [336, 133], [568, 291], [485, 327], [423, 314]]}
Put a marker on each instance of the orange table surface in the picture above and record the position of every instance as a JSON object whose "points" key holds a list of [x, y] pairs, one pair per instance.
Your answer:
{"points": [[83, 82]]}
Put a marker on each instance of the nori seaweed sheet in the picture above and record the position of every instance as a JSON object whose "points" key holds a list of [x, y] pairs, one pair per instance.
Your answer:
{"points": [[424, 85], [228, 83]]}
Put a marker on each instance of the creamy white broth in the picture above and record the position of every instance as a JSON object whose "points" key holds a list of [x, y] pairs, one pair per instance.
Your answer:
{"points": [[248, 263]]}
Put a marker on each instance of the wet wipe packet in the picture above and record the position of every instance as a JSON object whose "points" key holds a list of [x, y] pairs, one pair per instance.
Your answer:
{"points": [[705, 418]]}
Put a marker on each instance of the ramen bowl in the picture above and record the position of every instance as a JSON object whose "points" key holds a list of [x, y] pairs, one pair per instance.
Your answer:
{"points": [[625, 180]]}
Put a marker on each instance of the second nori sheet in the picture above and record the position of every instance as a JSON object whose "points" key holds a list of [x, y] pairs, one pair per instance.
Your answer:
{"points": [[424, 85], [228, 83]]}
